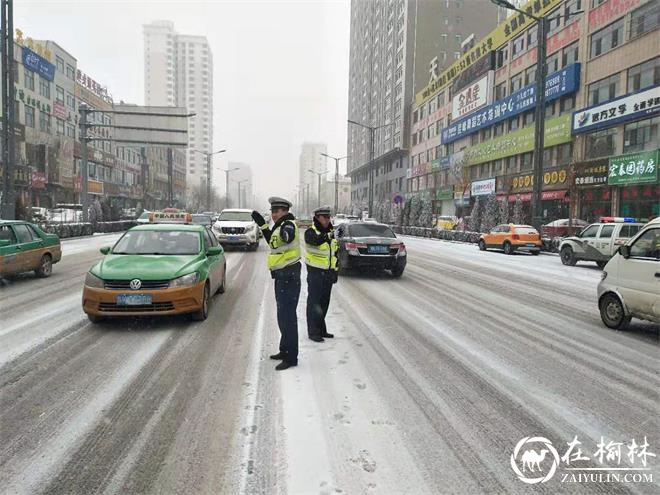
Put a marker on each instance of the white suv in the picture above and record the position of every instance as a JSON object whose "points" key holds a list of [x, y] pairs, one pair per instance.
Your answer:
{"points": [[630, 284], [235, 227]]}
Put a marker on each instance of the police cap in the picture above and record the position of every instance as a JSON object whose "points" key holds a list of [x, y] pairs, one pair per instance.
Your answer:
{"points": [[323, 210], [276, 202]]}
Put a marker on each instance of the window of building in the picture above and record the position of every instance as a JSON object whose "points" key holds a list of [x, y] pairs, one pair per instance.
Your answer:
{"points": [[596, 3], [59, 62], [70, 101], [564, 153], [555, 21], [60, 127], [645, 19], [570, 54], [457, 55], [528, 118], [500, 91], [70, 131], [511, 164], [552, 63], [44, 87], [550, 110], [44, 122], [474, 139], [604, 90], [547, 158], [527, 161], [567, 104], [29, 116], [570, 8], [530, 75], [644, 75], [641, 135], [28, 77], [59, 94], [518, 46], [415, 116], [601, 143], [532, 37], [486, 134], [607, 38], [70, 71], [501, 57], [517, 82], [513, 123], [441, 99], [498, 129], [497, 167]]}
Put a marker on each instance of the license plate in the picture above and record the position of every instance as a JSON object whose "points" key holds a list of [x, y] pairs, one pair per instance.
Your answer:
{"points": [[378, 249], [531, 245], [233, 237], [133, 299]]}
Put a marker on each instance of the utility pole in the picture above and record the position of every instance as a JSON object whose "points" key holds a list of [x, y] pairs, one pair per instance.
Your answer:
{"points": [[336, 178], [239, 182], [227, 170], [319, 174], [84, 172], [145, 173], [8, 207], [208, 174], [170, 179]]}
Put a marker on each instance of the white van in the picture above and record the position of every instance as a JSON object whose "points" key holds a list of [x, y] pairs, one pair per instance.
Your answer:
{"points": [[630, 284]]}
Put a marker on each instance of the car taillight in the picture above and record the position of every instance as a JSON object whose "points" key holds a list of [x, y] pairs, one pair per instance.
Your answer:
{"points": [[352, 246], [515, 237]]}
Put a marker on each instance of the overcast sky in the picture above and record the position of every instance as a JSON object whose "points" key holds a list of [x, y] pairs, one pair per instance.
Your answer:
{"points": [[280, 68]]}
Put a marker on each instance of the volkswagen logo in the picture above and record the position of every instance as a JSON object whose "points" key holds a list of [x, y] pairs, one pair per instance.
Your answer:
{"points": [[135, 284]]}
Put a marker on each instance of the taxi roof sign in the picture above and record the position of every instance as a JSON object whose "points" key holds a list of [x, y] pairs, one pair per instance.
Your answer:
{"points": [[170, 217]]}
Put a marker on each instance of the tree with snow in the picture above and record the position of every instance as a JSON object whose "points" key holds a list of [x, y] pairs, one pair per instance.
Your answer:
{"points": [[426, 213], [491, 215], [405, 216], [475, 217], [504, 211], [518, 214], [415, 210]]}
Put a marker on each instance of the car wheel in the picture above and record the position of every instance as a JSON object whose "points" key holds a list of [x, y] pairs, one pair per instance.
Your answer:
{"points": [[567, 256], [45, 266], [508, 248], [601, 264], [397, 272], [203, 313], [221, 289], [482, 245], [95, 318], [612, 312]]}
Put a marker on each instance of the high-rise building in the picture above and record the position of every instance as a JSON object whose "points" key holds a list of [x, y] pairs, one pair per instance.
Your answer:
{"points": [[178, 71], [394, 47], [311, 158]]}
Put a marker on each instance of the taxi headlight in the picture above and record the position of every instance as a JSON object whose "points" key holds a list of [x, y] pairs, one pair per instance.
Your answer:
{"points": [[185, 281], [93, 281]]}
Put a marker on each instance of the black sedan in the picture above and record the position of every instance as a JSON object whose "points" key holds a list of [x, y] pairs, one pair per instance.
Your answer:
{"points": [[370, 245]]}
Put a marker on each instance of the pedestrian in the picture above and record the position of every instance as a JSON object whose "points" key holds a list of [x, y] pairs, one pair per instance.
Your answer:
{"points": [[284, 264], [321, 260]]}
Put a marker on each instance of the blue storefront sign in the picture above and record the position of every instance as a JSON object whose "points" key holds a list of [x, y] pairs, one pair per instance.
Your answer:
{"points": [[38, 64], [634, 106], [557, 84]]}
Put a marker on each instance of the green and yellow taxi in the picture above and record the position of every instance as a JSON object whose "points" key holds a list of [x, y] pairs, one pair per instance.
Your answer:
{"points": [[24, 247], [169, 266]]}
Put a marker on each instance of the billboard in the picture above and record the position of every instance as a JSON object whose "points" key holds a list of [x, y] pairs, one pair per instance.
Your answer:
{"points": [[557, 84], [165, 126], [475, 96], [38, 64]]}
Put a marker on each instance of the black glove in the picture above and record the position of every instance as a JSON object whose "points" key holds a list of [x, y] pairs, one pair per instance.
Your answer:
{"points": [[259, 220]]}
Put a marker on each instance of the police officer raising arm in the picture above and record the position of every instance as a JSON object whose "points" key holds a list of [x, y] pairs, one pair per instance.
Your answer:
{"points": [[321, 260], [284, 265]]}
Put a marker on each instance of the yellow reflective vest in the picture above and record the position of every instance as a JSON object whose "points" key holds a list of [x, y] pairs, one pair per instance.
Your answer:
{"points": [[283, 254], [323, 256]]}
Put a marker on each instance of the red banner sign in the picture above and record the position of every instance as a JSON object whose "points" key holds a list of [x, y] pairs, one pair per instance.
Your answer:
{"points": [[39, 180], [609, 11]]}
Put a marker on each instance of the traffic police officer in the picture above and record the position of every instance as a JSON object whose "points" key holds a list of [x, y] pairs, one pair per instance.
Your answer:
{"points": [[284, 265], [321, 260]]}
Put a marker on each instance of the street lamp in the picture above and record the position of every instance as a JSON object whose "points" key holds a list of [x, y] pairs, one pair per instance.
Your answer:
{"points": [[319, 174], [539, 109], [372, 131], [239, 182], [336, 178], [208, 174], [227, 170]]}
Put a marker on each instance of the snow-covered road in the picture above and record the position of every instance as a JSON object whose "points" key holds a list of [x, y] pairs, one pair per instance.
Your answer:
{"points": [[430, 383]]}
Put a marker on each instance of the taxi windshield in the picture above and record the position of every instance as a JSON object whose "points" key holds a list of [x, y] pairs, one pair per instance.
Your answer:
{"points": [[158, 242], [235, 216]]}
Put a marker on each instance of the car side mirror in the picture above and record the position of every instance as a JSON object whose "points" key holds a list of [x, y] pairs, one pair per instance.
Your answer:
{"points": [[105, 250], [214, 251], [624, 251]]}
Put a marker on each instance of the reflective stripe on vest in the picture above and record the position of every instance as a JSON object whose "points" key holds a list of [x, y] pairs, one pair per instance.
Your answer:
{"points": [[323, 256], [282, 254]]}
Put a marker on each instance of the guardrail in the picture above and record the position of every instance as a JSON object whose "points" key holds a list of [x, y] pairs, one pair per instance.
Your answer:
{"points": [[79, 229]]}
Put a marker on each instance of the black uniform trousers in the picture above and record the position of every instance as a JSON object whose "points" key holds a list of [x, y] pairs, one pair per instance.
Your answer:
{"points": [[319, 289], [287, 294]]}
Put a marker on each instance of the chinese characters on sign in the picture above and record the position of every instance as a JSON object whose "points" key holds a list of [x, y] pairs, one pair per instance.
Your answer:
{"points": [[96, 88], [595, 175], [38, 64], [618, 110], [634, 168], [473, 97]]}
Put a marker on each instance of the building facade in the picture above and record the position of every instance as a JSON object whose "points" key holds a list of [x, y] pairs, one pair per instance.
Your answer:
{"points": [[179, 72], [477, 138], [311, 158], [343, 185], [392, 44]]}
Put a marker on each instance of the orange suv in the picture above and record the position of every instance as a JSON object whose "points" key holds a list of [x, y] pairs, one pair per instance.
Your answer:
{"points": [[512, 238]]}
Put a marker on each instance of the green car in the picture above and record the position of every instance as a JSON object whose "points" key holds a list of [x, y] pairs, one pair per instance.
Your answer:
{"points": [[163, 268], [24, 247]]}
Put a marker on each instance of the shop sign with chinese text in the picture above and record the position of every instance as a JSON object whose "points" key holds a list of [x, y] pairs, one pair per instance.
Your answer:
{"points": [[634, 168]]}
